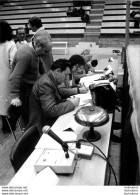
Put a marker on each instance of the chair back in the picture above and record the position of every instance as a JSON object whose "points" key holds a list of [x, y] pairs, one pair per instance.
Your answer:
{"points": [[24, 147]]}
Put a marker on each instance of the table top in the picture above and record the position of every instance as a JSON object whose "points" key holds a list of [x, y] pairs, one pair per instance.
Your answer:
{"points": [[87, 172]]}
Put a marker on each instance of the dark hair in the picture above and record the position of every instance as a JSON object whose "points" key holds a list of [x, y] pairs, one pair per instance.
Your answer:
{"points": [[5, 31], [35, 21], [62, 64], [94, 63], [77, 59]]}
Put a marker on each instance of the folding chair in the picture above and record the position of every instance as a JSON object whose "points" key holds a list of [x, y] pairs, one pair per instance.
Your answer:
{"points": [[23, 147], [13, 113]]}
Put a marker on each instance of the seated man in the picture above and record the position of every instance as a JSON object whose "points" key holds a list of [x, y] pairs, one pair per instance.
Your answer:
{"points": [[69, 12], [135, 15], [81, 11], [85, 18], [46, 101]]}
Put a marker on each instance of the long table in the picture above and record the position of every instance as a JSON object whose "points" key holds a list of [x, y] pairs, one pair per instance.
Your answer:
{"points": [[87, 172]]}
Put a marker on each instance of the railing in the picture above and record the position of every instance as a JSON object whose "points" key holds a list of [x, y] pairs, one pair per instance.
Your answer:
{"points": [[60, 46]]}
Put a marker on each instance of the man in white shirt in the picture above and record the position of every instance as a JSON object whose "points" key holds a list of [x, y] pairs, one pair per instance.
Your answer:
{"points": [[21, 37]]}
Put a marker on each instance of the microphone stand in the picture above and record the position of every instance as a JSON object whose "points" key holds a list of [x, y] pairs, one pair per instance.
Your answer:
{"points": [[66, 148], [65, 151]]}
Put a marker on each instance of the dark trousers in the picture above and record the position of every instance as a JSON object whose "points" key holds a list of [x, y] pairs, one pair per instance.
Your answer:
{"points": [[24, 96]]}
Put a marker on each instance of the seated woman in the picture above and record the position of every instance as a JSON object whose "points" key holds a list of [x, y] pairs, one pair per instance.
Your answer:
{"points": [[81, 68], [69, 86], [92, 65]]}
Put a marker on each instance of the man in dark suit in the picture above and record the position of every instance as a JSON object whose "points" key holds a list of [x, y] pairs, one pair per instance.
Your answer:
{"points": [[47, 102]]}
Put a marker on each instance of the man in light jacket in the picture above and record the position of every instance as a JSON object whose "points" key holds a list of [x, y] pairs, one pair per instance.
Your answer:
{"points": [[35, 24]]}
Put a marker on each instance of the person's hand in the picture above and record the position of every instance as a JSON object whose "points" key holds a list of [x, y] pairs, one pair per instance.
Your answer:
{"points": [[16, 102], [90, 73], [75, 101], [83, 90], [113, 78]]}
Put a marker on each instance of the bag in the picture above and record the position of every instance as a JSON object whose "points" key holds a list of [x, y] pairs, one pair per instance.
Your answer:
{"points": [[105, 96]]}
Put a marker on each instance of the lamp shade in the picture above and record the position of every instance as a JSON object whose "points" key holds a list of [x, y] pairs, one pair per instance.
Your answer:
{"points": [[91, 116]]}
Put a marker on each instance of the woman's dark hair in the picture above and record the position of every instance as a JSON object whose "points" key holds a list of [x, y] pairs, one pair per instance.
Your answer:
{"points": [[77, 59], [5, 31], [35, 21], [62, 64], [94, 63]]}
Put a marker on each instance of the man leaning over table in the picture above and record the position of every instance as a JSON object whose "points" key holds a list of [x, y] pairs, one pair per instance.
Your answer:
{"points": [[47, 102], [26, 69], [35, 24]]}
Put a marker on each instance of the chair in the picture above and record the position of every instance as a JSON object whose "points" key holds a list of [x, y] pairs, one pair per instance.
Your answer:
{"points": [[13, 114], [24, 147]]}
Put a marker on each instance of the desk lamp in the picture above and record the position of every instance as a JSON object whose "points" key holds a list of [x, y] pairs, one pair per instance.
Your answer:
{"points": [[91, 116]]}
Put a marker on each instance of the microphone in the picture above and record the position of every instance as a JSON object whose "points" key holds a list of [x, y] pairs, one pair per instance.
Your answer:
{"points": [[47, 130]]}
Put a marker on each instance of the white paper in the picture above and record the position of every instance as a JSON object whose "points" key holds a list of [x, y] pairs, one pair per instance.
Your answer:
{"points": [[90, 79], [84, 98], [42, 180], [47, 142]]}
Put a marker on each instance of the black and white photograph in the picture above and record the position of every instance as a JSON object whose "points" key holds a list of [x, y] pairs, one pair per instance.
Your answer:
{"points": [[69, 97]]}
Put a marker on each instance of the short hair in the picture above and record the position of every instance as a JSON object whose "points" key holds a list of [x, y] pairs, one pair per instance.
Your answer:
{"points": [[94, 63], [6, 33], [62, 64], [19, 28], [43, 41], [35, 21], [77, 59]]}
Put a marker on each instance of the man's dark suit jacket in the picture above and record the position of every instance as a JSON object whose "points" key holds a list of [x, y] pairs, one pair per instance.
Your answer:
{"points": [[46, 102]]}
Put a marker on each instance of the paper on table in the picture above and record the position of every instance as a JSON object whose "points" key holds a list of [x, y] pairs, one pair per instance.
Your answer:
{"points": [[77, 128], [84, 98], [47, 142], [90, 79], [42, 180], [113, 86]]}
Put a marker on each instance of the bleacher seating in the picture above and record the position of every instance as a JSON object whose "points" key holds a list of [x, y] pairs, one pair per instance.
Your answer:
{"points": [[52, 13], [60, 48], [114, 19], [75, 28]]}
